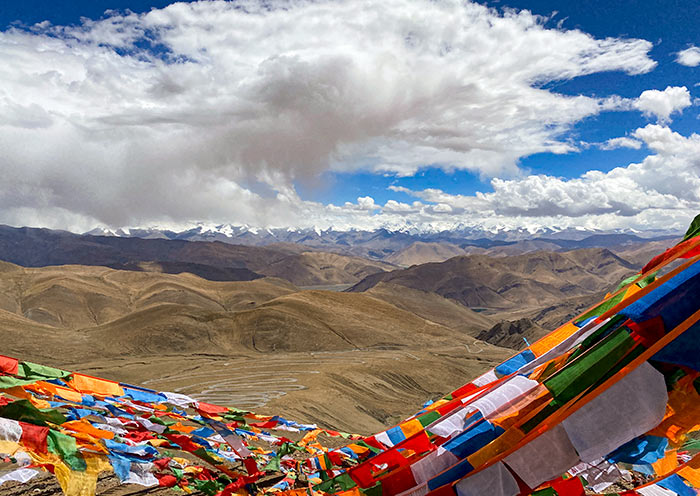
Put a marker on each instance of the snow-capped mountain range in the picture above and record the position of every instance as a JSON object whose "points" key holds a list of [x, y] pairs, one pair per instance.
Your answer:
{"points": [[380, 238]]}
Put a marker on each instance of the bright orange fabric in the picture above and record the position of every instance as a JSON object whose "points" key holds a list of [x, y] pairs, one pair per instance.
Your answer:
{"points": [[682, 412], [691, 472], [411, 428], [95, 386], [667, 464], [552, 339], [49, 389], [180, 427], [84, 427]]}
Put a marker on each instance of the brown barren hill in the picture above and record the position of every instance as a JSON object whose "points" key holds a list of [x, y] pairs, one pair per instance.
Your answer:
{"points": [[322, 268], [533, 279], [352, 361], [422, 252], [432, 307]]}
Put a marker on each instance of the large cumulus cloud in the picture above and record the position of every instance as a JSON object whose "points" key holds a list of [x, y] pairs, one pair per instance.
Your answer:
{"points": [[211, 110]]}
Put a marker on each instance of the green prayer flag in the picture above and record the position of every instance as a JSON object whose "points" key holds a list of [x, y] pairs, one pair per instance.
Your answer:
{"points": [[208, 487], [7, 381], [375, 490], [586, 370], [206, 456], [374, 450], [162, 420], [648, 280], [26, 412], [288, 448], [67, 448], [602, 308], [692, 445], [596, 337], [428, 418], [345, 482], [342, 482], [273, 465], [625, 282], [694, 228], [40, 372]]}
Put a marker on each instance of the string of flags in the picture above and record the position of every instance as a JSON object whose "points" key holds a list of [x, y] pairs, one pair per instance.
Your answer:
{"points": [[608, 403]]}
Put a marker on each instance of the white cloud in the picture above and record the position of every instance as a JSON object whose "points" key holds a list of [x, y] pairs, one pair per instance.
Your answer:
{"points": [[689, 57], [237, 101], [393, 206], [442, 208], [663, 191], [661, 104], [364, 204], [622, 142]]}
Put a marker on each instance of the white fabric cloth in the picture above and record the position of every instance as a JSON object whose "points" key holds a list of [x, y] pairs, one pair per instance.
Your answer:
{"points": [[452, 424], [21, 475], [485, 378], [496, 480], [140, 473], [492, 403], [180, 400], [22, 459], [655, 490], [383, 438], [114, 422], [110, 428], [432, 464], [10, 430], [544, 458], [136, 406], [629, 408], [151, 426], [469, 398], [504, 395], [282, 427]]}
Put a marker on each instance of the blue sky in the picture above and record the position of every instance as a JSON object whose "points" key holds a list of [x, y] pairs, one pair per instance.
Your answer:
{"points": [[289, 141]]}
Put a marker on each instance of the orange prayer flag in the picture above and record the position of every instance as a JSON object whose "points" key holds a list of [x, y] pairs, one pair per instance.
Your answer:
{"points": [[667, 464], [85, 427], [95, 386], [411, 428]]}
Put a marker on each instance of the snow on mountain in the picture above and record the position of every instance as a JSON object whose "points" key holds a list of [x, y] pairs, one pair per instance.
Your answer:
{"points": [[375, 243]]}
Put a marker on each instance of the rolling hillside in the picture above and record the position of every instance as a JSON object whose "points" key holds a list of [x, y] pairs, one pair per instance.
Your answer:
{"points": [[532, 280], [263, 344]]}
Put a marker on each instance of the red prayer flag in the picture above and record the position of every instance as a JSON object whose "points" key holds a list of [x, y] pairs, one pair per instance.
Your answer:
{"points": [[166, 480], [569, 487], [671, 252], [34, 437], [9, 365], [208, 408]]}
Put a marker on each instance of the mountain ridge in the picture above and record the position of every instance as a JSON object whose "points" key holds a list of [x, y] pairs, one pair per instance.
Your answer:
{"points": [[32, 247], [505, 282]]}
